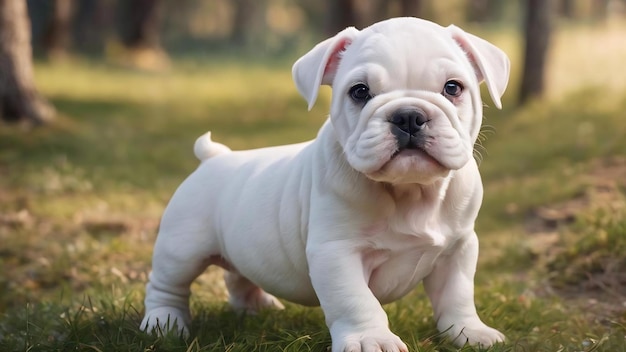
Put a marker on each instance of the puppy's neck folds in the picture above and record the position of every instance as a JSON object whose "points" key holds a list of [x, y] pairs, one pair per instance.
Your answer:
{"points": [[413, 192], [417, 210]]}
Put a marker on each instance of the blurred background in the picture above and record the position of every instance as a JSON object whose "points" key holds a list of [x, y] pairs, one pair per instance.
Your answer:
{"points": [[101, 101], [148, 34]]}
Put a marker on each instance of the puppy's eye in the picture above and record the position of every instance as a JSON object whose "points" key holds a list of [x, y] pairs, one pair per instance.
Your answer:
{"points": [[360, 93], [452, 89]]}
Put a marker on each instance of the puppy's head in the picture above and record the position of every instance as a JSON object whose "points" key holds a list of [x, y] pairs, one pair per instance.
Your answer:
{"points": [[406, 104]]}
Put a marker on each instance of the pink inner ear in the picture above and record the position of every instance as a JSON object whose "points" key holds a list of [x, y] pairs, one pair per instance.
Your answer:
{"points": [[333, 60], [470, 55], [472, 60]]}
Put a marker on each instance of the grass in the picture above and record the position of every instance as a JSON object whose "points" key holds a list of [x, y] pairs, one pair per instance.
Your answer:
{"points": [[80, 203]]}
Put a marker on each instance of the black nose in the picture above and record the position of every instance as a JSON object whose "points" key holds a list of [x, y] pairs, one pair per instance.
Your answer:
{"points": [[409, 120]]}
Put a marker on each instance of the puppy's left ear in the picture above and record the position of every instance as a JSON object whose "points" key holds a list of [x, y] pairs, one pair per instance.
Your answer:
{"points": [[490, 63], [319, 65]]}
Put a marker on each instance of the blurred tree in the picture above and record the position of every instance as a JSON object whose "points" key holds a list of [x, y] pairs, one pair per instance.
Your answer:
{"points": [[19, 99], [142, 20], [60, 26], [410, 8], [314, 13], [140, 34], [384, 9], [566, 8], [58, 32], [248, 21], [600, 9], [341, 14], [92, 24], [478, 10], [482, 11], [537, 37]]}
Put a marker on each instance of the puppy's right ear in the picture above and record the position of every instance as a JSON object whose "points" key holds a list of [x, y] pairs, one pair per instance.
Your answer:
{"points": [[319, 65]]}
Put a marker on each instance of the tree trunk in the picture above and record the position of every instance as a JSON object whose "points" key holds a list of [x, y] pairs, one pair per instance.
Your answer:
{"points": [[600, 9], [341, 14], [566, 8], [19, 99], [58, 31], [380, 11], [410, 8], [249, 22], [537, 28], [93, 24], [478, 11], [142, 31], [141, 35]]}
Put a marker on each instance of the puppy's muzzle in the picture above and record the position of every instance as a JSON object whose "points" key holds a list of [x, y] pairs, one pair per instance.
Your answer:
{"points": [[407, 125]]}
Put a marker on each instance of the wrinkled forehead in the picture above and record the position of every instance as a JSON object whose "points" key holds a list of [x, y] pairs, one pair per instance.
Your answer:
{"points": [[406, 51]]}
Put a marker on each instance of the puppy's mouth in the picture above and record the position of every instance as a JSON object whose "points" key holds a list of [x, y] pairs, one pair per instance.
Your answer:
{"points": [[416, 152], [411, 145], [410, 165]]}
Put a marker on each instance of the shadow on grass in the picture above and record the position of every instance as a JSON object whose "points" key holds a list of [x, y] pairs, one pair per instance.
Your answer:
{"points": [[146, 144]]}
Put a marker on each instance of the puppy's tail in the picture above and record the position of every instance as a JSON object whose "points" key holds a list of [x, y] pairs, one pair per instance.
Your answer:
{"points": [[205, 148]]}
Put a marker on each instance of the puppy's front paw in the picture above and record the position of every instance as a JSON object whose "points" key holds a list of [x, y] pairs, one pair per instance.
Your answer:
{"points": [[163, 320], [475, 333], [371, 340]]}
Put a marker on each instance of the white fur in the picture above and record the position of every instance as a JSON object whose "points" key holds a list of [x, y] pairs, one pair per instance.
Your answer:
{"points": [[342, 221], [205, 148]]}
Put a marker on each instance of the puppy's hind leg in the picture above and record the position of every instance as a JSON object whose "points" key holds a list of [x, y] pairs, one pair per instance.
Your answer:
{"points": [[247, 297], [178, 259]]}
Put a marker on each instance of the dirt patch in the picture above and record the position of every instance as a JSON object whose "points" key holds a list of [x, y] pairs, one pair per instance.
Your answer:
{"points": [[579, 239], [42, 256], [606, 184], [605, 189]]}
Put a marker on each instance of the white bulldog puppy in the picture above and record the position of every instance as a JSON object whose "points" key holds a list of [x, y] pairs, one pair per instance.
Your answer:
{"points": [[385, 197]]}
